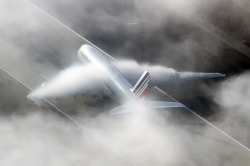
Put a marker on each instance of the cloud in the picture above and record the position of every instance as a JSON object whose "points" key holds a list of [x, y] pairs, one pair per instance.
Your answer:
{"points": [[159, 35], [233, 97], [156, 138], [45, 139]]}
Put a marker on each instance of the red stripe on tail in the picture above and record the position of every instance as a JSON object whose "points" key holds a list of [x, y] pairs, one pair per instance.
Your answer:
{"points": [[143, 93]]}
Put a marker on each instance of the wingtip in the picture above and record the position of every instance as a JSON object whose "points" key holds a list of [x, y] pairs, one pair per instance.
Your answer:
{"points": [[223, 75]]}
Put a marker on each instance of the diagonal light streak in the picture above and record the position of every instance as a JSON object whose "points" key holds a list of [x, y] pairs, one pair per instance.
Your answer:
{"points": [[218, 129], [209, 123], [84, 128], [99, 139]]}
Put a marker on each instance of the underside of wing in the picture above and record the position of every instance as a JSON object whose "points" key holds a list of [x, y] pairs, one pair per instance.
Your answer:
{"points": [[194, 76], [160, 75], [76, 80]]}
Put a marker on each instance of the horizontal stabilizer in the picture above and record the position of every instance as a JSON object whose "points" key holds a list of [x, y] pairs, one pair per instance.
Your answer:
{"points": [[126, 108]]}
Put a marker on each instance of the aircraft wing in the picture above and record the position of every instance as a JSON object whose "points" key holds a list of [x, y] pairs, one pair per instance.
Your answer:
{"points": [[160, 75], [76, 80], [194, 76]]}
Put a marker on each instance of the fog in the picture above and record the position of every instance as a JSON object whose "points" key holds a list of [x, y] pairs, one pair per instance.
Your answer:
{"points": [[144, 138], [157, 32], [233, 97], [36, 48]]}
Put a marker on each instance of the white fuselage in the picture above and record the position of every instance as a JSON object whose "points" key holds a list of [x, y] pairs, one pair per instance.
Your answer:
{"points": [[119, 85]]}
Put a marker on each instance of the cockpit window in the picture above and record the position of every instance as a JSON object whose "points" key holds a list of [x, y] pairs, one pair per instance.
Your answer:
{"points": [[85, 57]]}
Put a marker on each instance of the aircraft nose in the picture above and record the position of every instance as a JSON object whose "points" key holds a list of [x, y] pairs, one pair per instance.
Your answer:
{"points": [[29, 97]]}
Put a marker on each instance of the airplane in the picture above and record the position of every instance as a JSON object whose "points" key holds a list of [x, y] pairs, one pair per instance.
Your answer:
{"points": [[117, 82]]}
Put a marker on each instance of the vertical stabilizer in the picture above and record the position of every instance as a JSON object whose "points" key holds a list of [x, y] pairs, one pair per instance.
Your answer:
{"points": [[141, 86]]}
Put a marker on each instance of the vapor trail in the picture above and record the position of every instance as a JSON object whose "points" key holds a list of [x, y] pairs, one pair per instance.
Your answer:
{"points": [[71, 118]]}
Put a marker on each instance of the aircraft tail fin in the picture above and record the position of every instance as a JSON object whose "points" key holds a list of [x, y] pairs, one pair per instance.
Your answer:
{"points": [[141, 86]]}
